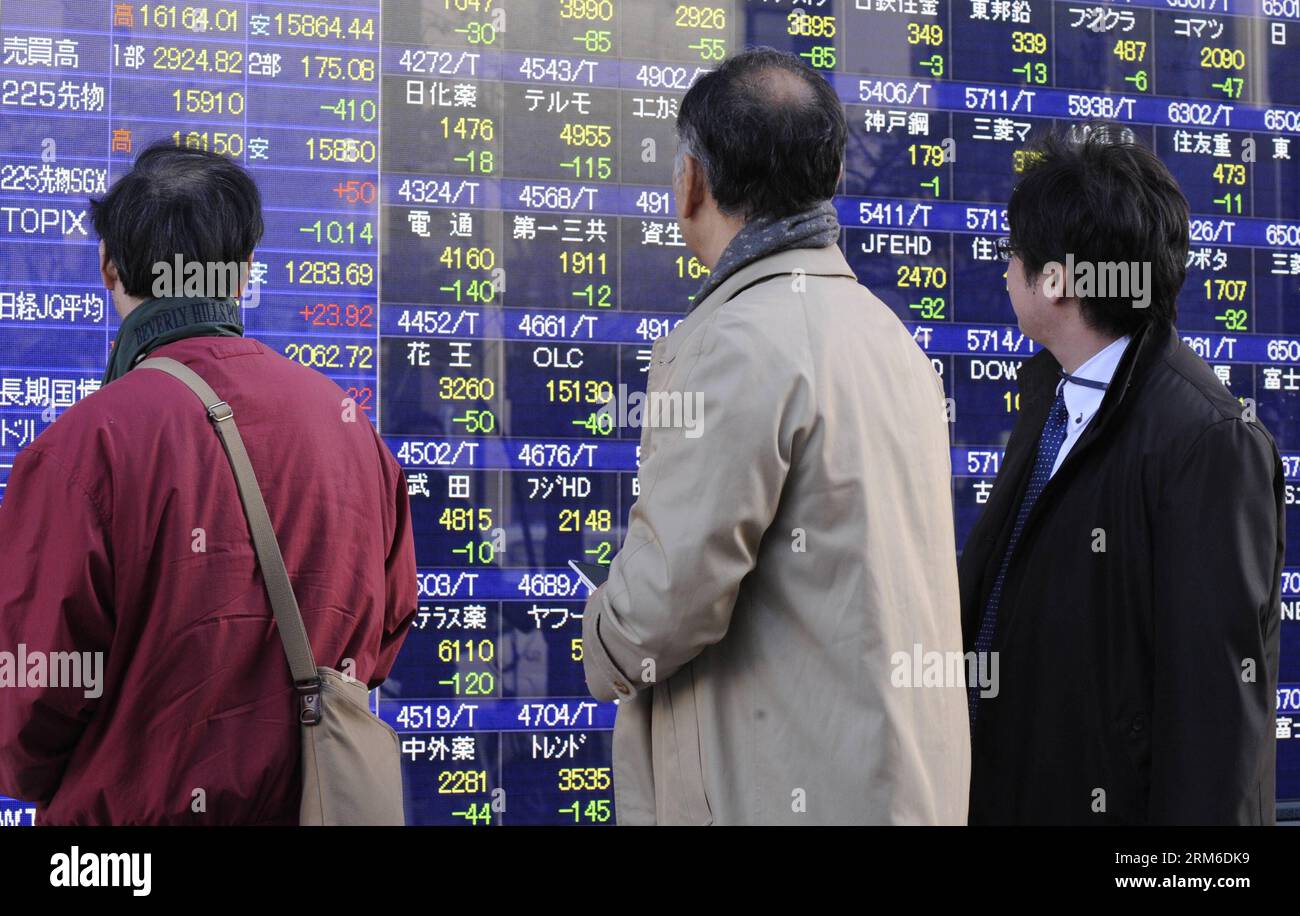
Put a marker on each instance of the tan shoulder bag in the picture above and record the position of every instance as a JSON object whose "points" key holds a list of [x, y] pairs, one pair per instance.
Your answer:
{"points": [[351, 763]]}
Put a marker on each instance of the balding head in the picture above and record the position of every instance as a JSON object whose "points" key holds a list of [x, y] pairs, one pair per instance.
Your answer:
{"points": [[780, 87], [769, 133]]}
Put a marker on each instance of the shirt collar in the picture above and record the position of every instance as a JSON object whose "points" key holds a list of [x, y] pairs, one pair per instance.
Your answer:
{"points": [[1081, 402]]}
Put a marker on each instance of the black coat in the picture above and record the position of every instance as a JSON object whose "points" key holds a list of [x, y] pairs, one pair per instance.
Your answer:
{"points": [[1125, 690]]}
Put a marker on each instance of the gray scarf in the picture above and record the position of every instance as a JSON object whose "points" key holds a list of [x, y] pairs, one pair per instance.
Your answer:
{"points": [[815, 228]]}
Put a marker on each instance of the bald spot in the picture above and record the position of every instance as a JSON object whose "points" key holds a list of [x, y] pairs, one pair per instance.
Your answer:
{"points": [[781, 87]]}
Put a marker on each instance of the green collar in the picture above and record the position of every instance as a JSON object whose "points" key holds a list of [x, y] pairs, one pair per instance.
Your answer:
{"points": [[162, 321]]}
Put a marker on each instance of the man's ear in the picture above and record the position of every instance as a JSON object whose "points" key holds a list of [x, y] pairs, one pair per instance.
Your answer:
{"points": [[107, 269], [694, 186], [1051, 282], [246, 271]]}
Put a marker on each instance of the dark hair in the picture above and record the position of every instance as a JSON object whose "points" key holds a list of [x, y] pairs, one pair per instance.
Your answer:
{"points": [[197, 204], [1094, 192], [769, 132]]}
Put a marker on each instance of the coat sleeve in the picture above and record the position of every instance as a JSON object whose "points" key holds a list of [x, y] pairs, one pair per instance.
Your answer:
{"points": [[1217, 548], [708, 494], [55, 596], [401, 587]]}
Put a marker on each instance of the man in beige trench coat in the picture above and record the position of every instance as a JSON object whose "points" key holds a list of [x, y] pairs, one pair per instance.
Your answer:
{"points": [[790, 556]]}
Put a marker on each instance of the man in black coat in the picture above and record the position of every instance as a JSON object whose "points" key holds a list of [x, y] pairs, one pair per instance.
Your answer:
{"points": [[1126, 570]]}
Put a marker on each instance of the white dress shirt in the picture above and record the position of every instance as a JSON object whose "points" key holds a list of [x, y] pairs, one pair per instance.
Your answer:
{"points": [[1081, 402]]}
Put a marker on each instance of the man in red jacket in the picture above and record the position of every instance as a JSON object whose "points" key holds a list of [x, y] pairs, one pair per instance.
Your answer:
{"points": [[142, 678]]}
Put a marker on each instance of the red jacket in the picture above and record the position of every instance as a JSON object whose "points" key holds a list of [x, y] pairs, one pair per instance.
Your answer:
{"points": [[122, 532]]}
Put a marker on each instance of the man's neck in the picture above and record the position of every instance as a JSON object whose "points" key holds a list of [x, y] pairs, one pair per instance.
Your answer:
{"points": [[125, 304], [1081, 345], [718, 239]]}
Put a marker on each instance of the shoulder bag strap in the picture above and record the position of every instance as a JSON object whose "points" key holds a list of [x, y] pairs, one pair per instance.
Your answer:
{"points": [[283, 603]]}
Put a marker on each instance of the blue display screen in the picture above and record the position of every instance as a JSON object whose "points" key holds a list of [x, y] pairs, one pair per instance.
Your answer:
{"points": [[469, 228]]}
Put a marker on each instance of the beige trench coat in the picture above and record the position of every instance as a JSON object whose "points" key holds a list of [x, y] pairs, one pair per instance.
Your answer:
{"points": [[781, 560]]}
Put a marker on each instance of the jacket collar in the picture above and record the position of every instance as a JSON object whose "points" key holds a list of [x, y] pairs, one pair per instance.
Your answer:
{"points": [[819, 262], [1083, 400], [1039, 376], [1041, 373]]}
